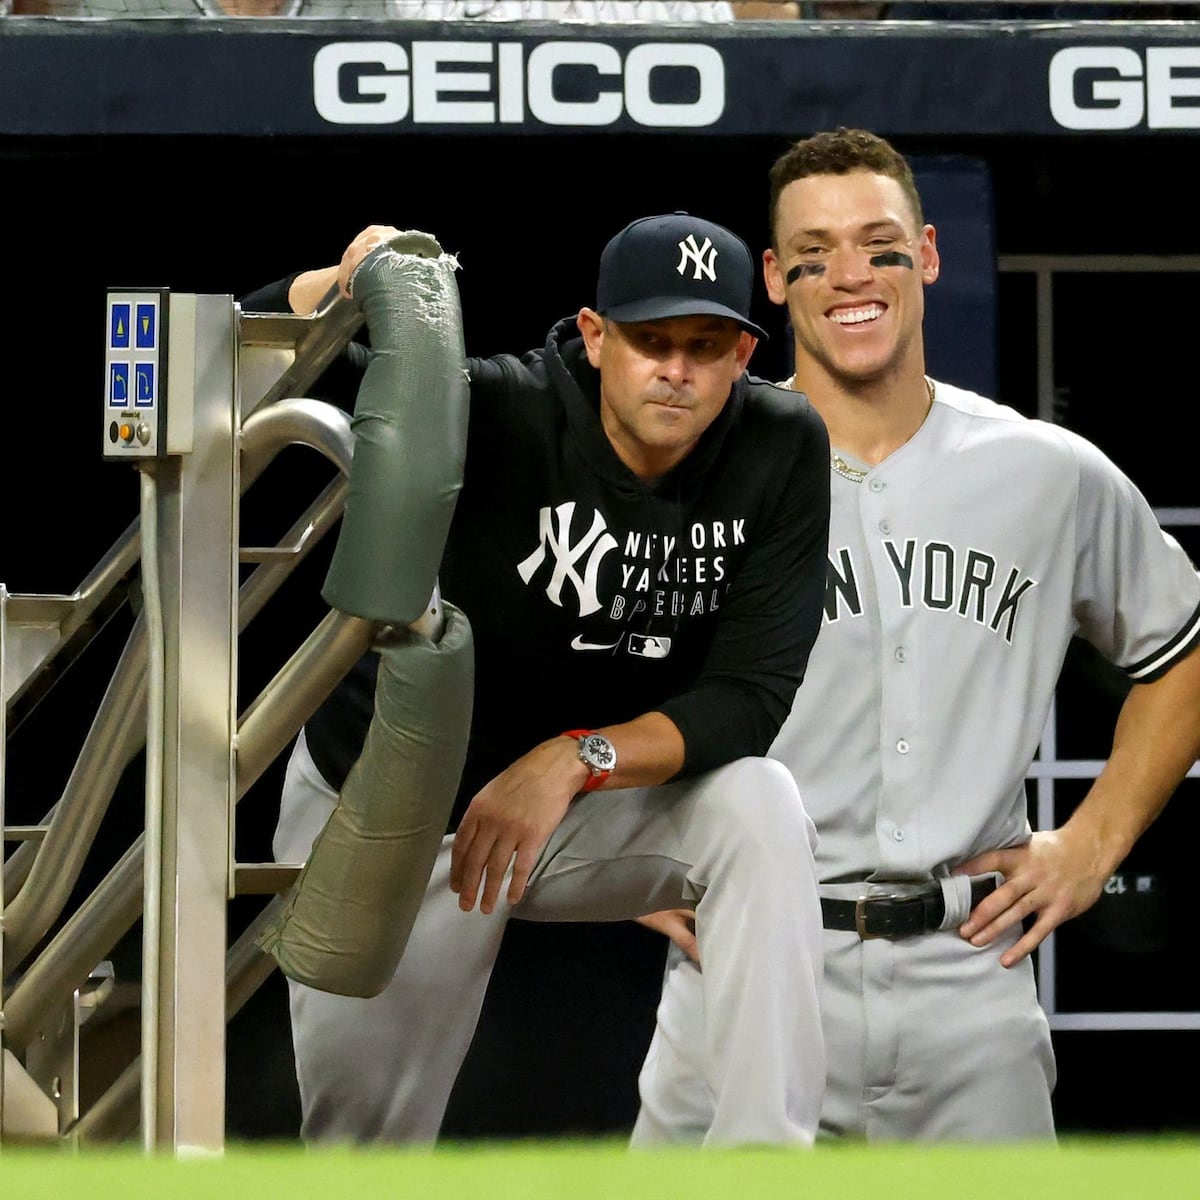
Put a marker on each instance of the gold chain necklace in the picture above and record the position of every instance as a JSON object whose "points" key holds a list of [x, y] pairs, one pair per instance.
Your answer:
{"points": [[845, 470], [836, 461]]}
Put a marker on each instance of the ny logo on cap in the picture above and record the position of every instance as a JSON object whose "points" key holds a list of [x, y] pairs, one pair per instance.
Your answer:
{"points": [[703, 258]]}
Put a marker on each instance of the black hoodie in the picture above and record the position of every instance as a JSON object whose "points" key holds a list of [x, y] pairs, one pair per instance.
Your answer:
{"points": [[595, 597]]}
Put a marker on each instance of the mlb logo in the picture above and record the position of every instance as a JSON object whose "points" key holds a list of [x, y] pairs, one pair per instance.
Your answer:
{"points": [[646, 646]]}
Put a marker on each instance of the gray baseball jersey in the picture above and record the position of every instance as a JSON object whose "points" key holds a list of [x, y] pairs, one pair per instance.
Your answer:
{"points": [[960, 567]]}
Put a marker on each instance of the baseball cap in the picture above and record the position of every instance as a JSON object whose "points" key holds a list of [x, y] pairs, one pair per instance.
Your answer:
{"points": [[676, 265]]}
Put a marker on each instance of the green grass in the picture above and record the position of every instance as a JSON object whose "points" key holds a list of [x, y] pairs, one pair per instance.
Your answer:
{"points": [[1078, 1169]]}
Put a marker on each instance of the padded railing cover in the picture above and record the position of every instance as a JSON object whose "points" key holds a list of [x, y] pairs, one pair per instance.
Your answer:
{"points": [[347, 919]]}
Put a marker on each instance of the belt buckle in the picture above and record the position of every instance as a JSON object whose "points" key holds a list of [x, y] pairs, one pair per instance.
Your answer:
{"points": [[860, 919]]}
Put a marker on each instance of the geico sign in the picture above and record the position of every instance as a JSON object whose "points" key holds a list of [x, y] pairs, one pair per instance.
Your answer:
{"points": [[1120, 92], [382, 83]]}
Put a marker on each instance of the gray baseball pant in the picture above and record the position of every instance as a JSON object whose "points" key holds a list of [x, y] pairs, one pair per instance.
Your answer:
{"points": [[734, 844], [927, 1039]]}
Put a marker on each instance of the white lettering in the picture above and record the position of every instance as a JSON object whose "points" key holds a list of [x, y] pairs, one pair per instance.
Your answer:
{"points": [[512, 84], [391, 88], [384, 83], [709, 67], [1120, 103], [1120, 92], [554, 537], [1163, 87], [702, 258], [430, 81], [545, 59]]}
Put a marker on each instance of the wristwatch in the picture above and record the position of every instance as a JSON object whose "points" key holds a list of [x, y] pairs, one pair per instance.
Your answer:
{"points": [[596, 753]]}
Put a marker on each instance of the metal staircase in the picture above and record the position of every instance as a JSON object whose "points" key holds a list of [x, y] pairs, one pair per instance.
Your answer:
{"points": [[184, 591]]}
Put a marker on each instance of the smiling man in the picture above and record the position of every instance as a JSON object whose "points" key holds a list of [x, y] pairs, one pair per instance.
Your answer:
{"points": [[852, 262], [968, 545], [639, 545]]}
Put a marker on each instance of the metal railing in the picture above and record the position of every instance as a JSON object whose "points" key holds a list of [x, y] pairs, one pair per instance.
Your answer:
{"points": [[55, 951]]}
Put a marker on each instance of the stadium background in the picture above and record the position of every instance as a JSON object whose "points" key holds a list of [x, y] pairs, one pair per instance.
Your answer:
{"points": [[187, 189]]}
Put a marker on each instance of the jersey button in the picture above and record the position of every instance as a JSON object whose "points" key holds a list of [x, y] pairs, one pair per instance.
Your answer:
{"points": [[897, 835], [902, 746], [877, 485], [901, 654], [885, 527]]}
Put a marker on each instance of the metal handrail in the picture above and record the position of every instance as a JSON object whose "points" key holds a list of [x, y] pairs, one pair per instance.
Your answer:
{"points": [[46, 872], [40, 874], [281, 709]]}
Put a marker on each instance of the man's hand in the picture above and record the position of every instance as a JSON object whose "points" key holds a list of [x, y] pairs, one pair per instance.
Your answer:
{"points": [[514, 815], [679, 924], [369, 239], [308, 291], [1056, 875]]}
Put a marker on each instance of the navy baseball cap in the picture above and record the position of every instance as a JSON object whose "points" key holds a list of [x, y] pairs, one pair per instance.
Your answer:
{"points": [[676, 265]]}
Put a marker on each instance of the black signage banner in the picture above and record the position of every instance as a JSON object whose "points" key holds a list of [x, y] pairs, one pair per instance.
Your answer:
{"points": [[289, 77]]}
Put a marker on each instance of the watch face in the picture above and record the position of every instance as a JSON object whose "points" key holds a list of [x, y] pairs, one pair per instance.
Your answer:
{"points": [[598, 752]]}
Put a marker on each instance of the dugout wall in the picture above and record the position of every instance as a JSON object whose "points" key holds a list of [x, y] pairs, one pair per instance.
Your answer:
{"points": [[210, 156]]}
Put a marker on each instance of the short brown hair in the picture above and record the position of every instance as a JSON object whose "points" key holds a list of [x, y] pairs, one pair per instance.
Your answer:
{"points": [[839, 153]]}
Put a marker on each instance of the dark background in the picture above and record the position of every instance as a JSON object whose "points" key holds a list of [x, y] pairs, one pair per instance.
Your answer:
{"points": [[571, 1008]]}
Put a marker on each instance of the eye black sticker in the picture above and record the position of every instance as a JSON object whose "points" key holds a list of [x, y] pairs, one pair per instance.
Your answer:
{"points": [[807, 269], [893, 258]]}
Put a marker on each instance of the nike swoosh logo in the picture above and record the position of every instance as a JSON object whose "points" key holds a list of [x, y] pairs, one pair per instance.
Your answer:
{"points": [[577, 643]]}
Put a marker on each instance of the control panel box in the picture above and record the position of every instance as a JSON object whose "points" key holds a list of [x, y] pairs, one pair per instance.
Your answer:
{"points": [[135, 373]]}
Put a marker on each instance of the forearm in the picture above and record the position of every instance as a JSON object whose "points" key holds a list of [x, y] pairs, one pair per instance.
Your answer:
{"points": [[309, 288], [1157, 740], [650, 751], [1060, 872]]}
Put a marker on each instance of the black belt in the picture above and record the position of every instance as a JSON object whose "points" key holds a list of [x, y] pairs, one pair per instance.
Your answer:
{"points": [[896, 916]]}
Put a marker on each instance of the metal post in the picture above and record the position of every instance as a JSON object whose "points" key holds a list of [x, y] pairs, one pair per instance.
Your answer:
{"points": [[188, 876]]}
